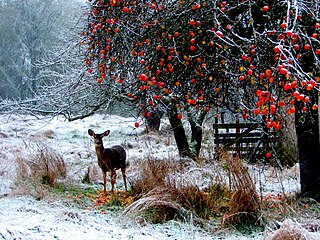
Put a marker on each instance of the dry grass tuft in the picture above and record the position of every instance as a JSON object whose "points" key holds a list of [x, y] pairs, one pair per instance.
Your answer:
{"points": [[205, 204], [153, 173], [44, 134], [91, 175], [163, 190], [41, 167], [245, 203], [157, 206], [161, 195], [291, 230]]}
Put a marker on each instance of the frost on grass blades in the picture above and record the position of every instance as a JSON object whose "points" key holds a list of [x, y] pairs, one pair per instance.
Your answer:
{"points": [[43, 195]]}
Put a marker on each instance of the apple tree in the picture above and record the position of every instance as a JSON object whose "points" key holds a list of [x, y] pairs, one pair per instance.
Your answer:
{"points": [[162, 55], [260, 59]]}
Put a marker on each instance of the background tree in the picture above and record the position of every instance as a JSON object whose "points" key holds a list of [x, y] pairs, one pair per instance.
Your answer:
{"points": [[58, 85], [31, 30]]}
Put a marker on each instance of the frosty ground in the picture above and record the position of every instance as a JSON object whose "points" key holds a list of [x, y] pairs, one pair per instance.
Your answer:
{"points": [[22, 216]]}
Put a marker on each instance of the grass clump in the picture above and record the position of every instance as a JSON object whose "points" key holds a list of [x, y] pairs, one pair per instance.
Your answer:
{"points": [[206, 204], [245, 206], [43, 164], [39, 170], [156, 206], [161, 194]]}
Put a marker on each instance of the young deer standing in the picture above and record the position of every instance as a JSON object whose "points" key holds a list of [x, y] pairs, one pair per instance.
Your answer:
{"points": [[109, 159]]}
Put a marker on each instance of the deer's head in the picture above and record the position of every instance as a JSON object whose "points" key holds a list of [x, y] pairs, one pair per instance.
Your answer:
{"points": [[98, 137]]}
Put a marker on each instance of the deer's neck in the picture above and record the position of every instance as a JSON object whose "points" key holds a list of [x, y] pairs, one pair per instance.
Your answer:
{"points": [[103, 158], [100, 151]]}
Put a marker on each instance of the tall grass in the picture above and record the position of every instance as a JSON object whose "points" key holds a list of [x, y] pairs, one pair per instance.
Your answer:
{"points": [[41, 167], [161, 193], [244, 204]]}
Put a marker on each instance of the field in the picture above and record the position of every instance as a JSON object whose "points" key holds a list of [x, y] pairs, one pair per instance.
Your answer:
{"points": [[61, 198]]}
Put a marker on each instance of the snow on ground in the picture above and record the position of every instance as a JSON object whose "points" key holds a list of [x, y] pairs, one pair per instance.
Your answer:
{"points": [[26, 218], [23, 217]]}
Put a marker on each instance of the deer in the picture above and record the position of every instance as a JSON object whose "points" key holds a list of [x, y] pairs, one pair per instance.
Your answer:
{"points": [[109, 159]]}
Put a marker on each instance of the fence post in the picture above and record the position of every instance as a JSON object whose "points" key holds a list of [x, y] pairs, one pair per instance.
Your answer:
{"points": [[238, 145]]}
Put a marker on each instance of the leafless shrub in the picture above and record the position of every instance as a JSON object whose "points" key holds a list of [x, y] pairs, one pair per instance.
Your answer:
{"points": [[44, 165]]}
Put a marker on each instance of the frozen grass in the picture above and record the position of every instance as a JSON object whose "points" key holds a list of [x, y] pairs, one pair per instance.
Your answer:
{"points": [[162, 183]]}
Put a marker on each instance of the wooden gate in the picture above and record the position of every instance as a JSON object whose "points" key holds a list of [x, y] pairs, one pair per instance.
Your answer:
{"points": [[246, 139]]}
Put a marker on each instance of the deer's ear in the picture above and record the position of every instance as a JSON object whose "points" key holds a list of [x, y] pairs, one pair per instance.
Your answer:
{"points": [[106, 133], [90, 132]]}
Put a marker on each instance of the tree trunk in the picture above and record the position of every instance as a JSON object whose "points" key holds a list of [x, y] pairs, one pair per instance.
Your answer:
{"points": [[180, 135], [153, 122], [309, 153], [196, 129]]}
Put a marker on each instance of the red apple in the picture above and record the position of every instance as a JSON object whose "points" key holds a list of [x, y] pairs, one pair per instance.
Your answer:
{"points": [[272, 109], [219, 33], [192, 22], [314, 107], [283, 25], [126, 9], [306, 47], [283, 71], [256, 111]]}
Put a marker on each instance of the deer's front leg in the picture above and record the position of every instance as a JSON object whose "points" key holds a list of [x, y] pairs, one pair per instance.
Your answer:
{"points": [[113, 177], [104, 181]]}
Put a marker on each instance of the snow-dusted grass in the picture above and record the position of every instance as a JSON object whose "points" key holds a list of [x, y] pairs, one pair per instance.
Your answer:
{"points": [[24, 217]]}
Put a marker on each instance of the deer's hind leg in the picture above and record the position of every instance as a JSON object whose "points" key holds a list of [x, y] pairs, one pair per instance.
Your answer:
{"points": [[113, 177], [123, 170]]}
